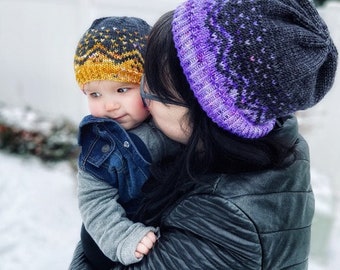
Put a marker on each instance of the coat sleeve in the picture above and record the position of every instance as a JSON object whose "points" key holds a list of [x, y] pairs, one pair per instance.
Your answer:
{"points": [[205, 231], [105, 220]]}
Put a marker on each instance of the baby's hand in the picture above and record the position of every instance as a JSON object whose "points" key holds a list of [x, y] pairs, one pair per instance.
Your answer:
{"points": [[145, 244]]}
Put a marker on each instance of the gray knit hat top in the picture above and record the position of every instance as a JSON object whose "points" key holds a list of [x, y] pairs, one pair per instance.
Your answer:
{"points": [[252, 61]]}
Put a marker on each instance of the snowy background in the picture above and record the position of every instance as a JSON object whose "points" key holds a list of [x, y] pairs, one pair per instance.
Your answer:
{"points": [[39, 219]]}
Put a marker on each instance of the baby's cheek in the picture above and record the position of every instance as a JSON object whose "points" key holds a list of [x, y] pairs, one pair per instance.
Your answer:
{"points": [[95, 111]]}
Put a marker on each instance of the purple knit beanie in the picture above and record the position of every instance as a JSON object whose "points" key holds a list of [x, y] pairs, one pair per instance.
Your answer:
{"points": [[252, 61]]}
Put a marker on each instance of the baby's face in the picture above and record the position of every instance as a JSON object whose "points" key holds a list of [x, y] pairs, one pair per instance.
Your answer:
{"points": [[116, 100]]}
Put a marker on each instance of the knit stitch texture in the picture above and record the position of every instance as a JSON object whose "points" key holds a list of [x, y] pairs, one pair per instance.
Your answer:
{"points": [[112, 49], [250, 62]]}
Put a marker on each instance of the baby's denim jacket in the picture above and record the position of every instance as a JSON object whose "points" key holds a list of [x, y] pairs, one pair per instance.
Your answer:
{"points": [[109, 153]]}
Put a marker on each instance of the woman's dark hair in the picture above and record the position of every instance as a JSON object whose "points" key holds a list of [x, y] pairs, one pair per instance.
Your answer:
{"points": [[210, 148]]}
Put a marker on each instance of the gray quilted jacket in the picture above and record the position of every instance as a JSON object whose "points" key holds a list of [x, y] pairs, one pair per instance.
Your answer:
{"points": [[258, 220]]}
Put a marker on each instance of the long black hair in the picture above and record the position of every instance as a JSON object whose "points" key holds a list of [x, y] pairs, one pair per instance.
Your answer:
{"points": [[210, 149]]}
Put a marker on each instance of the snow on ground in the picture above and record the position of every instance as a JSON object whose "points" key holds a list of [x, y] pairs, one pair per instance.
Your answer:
{"points": [[39, 219]]}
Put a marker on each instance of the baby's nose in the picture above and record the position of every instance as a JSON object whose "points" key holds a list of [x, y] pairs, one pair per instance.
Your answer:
{"points": [[111, 106]]}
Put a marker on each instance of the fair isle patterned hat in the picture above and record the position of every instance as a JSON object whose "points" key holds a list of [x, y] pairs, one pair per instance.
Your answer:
{"points": [[112, 49], [249, 62]]}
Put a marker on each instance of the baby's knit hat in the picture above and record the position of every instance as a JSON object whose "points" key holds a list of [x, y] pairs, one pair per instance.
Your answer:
{"points": [[112, 49], [249, 62]]}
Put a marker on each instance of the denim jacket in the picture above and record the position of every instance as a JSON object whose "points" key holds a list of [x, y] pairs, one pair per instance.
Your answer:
{"points": [[109, 153]]}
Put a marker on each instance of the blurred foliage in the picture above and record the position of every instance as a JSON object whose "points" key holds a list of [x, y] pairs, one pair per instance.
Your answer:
{"points": [[55, 142]]}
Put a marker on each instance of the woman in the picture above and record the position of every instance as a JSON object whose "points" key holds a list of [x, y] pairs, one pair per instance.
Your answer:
{"points": [[239, 194]]}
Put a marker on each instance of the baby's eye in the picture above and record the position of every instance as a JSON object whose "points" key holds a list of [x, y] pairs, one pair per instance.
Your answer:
{"points": [[95, 94], [122, 90]]}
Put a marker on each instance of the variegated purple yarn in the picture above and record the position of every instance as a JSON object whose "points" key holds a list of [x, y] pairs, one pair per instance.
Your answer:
{"points": [[251, 61]]}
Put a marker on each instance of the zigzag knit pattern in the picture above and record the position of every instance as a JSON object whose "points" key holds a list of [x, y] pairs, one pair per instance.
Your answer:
{"points": [[110, 53]]}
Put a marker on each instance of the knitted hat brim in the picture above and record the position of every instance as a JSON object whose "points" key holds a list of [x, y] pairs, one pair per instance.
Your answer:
{"points": [[193, 41]]}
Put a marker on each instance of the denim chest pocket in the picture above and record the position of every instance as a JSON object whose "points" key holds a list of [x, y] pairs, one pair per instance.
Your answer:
{"points": [[98, 151]]}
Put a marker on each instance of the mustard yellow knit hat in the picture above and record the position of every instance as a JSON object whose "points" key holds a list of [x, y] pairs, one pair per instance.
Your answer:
{"points": [[112, 49]]}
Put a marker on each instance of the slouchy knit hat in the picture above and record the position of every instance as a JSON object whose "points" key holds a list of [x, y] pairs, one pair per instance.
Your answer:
{"points": [[112, 49], [249, 62]]}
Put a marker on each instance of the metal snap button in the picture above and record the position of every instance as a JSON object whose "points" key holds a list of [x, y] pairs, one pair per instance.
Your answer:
{"points": [[106, 148], [126, 144]]}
